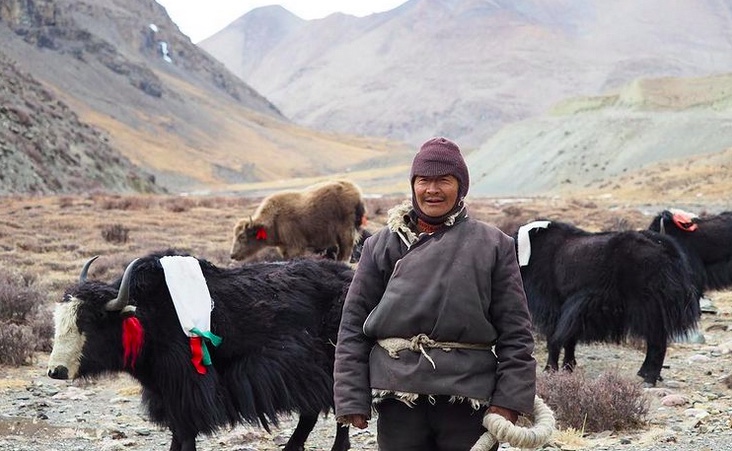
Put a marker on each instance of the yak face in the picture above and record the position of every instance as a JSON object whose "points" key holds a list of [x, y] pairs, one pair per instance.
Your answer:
{"points": [[88, 328], [249, 238], [672, 220], [85, 332]]}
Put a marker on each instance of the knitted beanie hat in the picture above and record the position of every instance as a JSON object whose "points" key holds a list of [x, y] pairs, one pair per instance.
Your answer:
{"points": [[440, 156]]}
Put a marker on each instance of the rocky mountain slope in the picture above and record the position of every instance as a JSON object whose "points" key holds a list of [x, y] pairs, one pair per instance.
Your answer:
{"points": [[466, 68], [45, 148], [166, 105]]}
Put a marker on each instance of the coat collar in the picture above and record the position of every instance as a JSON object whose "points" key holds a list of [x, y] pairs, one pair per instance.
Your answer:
{"points": [[402, 220]]}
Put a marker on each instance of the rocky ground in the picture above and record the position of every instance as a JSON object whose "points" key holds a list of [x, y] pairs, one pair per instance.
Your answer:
{"points": [[690, 409]]}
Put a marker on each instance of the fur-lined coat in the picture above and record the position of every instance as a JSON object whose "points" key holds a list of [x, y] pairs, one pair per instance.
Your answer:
{"points": [[458, 285]]}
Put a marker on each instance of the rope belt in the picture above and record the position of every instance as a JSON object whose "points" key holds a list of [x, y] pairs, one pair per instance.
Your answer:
{"points": [[502, 430], [418, 343]]}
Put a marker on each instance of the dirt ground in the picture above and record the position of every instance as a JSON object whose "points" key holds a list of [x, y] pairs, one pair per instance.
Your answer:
{"points": [[38, 413], [53, 236]]}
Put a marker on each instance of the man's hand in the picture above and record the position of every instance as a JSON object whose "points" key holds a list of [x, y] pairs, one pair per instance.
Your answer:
{"points": [[356, 420], [510, 415]]}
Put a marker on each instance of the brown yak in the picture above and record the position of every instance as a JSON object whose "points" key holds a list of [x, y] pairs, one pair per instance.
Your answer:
{"points": [[326, 215]]}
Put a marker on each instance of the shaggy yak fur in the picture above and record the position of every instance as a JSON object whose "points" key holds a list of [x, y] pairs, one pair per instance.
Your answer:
{"points": [[707, 241], [606, 287], [278, 322], [324, 217]]}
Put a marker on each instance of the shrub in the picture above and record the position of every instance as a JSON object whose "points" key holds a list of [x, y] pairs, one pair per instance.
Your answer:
{"points": [[17, 344], [606, 402], [41, 324], [19, 296], [25, 326], [116, 233]]}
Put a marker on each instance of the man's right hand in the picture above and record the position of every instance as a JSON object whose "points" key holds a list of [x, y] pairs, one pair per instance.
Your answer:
{"points": [[356, 420]]}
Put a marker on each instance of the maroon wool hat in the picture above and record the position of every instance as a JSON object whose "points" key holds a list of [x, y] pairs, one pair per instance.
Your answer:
{"points": [[440, 156]]}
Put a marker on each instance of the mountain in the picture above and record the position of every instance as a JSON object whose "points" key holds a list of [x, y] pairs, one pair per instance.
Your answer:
{"points": [[247, 40], [123, 68], [466, 68], [109, 95]]}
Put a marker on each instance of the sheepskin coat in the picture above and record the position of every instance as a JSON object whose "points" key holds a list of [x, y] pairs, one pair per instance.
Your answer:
{"points": [[461, 284]]}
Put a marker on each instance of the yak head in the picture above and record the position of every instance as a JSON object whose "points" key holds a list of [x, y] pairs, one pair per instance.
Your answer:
{"points": [[668, 221], [88, 327], [249, 238]]}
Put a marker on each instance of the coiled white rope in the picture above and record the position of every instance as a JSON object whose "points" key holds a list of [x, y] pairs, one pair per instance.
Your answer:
{"points": [[503, 431]]}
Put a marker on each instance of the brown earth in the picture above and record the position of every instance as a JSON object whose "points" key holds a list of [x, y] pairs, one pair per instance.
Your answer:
{"points": [[53, 236]]}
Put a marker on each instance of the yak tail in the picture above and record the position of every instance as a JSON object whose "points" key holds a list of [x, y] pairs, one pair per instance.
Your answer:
{"points": [[674, 290], [677, 308]]}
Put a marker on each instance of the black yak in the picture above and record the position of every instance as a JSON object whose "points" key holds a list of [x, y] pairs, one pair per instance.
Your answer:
{"points": [[606, 287], [278, 323], [327, 215], [707, 241]]}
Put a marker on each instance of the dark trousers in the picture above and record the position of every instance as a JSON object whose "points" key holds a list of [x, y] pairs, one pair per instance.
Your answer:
{"points": [[443, 426]]}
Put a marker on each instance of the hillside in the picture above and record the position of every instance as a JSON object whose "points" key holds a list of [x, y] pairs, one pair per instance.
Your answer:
{"points": [[590, 141], [166, 105], [46, 149]]}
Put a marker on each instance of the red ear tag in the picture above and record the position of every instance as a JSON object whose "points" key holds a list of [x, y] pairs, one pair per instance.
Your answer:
{"points": [[261, 234], [685, 222]]}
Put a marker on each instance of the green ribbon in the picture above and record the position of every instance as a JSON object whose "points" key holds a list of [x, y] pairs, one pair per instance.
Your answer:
{"points": [[210, 337]]}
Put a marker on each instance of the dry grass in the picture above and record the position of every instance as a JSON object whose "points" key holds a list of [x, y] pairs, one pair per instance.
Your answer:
{"points": [[48, 239], [255, 148], [53, 236], [701, 180]]}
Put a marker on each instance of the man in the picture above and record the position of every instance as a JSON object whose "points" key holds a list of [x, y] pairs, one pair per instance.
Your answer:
{"points": [[435, 327]]}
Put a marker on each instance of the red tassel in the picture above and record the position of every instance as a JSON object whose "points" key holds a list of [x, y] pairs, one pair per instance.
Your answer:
{"points": [[685, 221], [132, 338], [197, 354], [261, 234]]}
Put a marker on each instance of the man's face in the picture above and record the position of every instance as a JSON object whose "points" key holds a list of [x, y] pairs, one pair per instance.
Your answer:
{"points": [[436, 196]]}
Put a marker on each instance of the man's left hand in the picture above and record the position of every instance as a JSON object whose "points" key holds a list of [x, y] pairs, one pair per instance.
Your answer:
{"points": [[510, 415]]}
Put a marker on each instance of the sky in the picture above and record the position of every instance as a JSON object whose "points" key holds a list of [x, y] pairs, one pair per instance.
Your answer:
{"points": [[199, 19]]}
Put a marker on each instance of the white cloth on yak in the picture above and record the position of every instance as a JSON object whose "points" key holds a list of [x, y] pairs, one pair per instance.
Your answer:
{"points": [[524, 244], [189, 292]]}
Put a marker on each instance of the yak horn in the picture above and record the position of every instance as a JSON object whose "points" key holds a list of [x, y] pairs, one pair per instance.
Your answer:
{"points": [[85, 269], [123, 297]]}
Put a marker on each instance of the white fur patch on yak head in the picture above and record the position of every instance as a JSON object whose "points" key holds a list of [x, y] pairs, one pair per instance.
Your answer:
{"points": [[68, 341]]}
